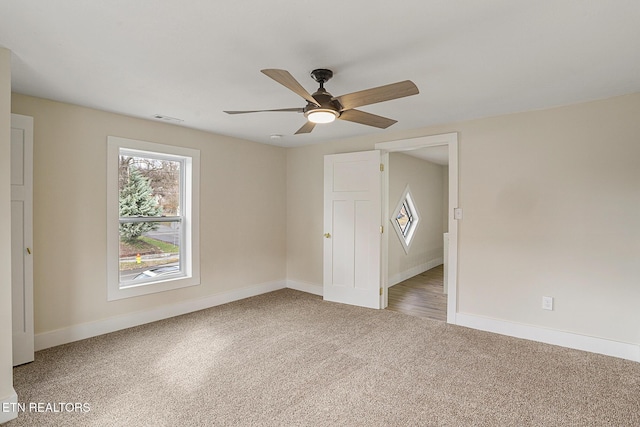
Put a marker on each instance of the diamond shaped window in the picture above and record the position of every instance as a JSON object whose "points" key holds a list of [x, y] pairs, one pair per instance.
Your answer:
{"points": [[405, 219]]}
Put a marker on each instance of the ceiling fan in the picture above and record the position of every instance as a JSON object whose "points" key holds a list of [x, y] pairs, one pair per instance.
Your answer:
{"points": [[322, 107]]}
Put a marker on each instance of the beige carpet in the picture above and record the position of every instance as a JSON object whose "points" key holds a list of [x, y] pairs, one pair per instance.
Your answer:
{"points": [[289, 359]]}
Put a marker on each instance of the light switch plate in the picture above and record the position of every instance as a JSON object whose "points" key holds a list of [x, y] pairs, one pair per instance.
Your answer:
{"points": [[547, 303]]}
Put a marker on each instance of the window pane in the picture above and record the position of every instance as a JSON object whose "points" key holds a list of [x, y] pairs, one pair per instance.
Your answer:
{"points": [[403, 219], [149, 186], [155, 253]]}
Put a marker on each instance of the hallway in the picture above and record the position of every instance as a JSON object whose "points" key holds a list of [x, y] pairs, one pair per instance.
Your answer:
{"points": [[421, 295]]}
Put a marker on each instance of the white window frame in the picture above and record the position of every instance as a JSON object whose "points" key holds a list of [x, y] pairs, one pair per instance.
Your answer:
{"points": [[406, 238], [189, 247]]}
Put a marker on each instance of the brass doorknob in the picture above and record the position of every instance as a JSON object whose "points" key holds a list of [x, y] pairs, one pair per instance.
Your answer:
{"points": [[327, 235]]}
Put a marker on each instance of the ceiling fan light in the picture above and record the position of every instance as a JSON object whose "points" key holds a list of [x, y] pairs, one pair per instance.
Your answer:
{"points": [[321, 116]]}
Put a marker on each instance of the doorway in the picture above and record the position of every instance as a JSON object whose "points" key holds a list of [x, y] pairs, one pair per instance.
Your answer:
{"points": [[449, 142], [416, 270]]}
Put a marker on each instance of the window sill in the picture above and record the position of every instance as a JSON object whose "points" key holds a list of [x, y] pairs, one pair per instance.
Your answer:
{"points": [[116, 292]]}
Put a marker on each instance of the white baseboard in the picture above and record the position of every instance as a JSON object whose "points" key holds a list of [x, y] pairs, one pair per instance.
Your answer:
{"points": [[414, 271], [9, 407], [551, 336], [112, 324], [310, 288]]}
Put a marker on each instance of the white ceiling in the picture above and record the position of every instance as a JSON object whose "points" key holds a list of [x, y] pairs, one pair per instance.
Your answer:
{"points": [[193, 59]]}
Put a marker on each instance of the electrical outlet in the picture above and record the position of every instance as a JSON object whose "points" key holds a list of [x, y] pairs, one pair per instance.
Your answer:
{"points": [[547, 303]]}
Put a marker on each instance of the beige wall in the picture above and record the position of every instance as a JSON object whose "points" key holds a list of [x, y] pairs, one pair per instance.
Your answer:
{"points": [[551, 204], [242, 212], [425, 180], [6, 373]]}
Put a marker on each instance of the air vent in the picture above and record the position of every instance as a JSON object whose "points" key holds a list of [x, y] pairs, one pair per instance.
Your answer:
{"points": [[167, 118]]}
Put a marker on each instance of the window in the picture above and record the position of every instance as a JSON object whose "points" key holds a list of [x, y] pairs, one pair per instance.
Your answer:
{"points": [[152, 218], [405, 219]]}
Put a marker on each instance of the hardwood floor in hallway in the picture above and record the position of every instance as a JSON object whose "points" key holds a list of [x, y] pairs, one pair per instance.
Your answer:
{"points": [[421, 295]]}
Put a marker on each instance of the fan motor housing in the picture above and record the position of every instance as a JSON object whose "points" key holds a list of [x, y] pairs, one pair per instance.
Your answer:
{"points": [[326, 101]]}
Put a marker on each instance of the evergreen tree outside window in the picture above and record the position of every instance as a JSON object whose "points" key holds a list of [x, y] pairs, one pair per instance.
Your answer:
{"points": [[136, 199]]}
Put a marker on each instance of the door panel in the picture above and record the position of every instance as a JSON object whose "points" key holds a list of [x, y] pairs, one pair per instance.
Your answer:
{"points": [[342, 244], [366, 230], [352, 215], [17, 267]]}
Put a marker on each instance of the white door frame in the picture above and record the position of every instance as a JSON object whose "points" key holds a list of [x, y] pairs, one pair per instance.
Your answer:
{"points": [[451, 140]]}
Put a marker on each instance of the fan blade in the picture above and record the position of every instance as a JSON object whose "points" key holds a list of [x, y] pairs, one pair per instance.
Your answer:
{"points": [[293, 110], [378, 94], [306, 128], [368, 119], [285, 79]]}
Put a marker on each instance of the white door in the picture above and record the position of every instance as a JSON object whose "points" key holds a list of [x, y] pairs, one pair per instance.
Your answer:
{"points": [[22, 237], [352, 221]]}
